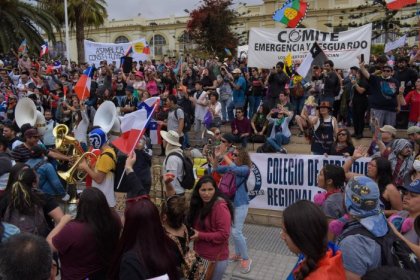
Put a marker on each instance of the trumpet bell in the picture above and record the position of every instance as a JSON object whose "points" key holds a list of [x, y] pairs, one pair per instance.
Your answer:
{"points": [[105, 116]]}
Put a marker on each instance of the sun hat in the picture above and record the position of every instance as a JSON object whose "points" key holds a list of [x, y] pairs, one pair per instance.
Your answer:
{"points": [[236, 71], [362, 201], [172, 137], [389, 129]]}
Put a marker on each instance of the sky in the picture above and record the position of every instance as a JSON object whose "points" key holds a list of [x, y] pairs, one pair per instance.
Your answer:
{"points": [[125, 9]]}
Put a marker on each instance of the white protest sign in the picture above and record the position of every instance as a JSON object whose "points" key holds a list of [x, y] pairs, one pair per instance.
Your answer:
{"points": [[96, 52], [278, 180], [267, 46]]}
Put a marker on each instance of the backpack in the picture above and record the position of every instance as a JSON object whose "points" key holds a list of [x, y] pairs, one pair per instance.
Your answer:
{"points": [[187, 119], [227, 184], [394, 251], [188, 179], [266, 148], [35, 224]]}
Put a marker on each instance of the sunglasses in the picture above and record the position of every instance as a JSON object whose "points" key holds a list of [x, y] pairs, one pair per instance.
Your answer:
{"points": [[235, 155], [217, 133]]}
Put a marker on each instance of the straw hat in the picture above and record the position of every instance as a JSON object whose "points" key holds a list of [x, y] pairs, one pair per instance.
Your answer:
{"points": [[172, 137]]}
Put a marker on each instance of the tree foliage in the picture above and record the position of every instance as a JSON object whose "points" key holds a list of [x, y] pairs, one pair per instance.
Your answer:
{"points": [[21, 20], [81, 13], [384, 21], [210, 26]]}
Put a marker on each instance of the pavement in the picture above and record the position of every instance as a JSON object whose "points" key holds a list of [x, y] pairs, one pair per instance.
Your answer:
{"points": [[271, 259]]}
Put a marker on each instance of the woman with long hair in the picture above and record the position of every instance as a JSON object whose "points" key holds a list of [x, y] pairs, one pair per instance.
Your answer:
{"points": [[240, 165], [86, 244], [343, 145], [144, 250], [304, 231], [379, 169], [173, 215], [210, 216], [24, 202]]}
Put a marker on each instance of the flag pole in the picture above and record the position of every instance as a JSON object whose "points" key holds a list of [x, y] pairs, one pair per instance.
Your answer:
{"points": [[66, 20]]}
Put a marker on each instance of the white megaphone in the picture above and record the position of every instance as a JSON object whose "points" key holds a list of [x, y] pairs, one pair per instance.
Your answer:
{"points": [[26, 112], [105, 116]]}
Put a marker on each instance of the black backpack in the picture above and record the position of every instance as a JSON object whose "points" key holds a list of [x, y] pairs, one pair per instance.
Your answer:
{"points": [[266, 148], [188, 179], [394, 251]]}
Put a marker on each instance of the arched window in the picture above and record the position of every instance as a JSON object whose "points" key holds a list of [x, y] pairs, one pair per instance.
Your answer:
{"points": [[160, 43], [59, 49], [121, 39]]}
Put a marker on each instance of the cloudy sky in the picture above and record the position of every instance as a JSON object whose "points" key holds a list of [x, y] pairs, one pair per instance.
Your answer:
{"points": [[124, 9]]}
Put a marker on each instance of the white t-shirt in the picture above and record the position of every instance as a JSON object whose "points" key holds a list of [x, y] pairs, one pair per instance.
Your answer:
{"points": [[200, 110]]}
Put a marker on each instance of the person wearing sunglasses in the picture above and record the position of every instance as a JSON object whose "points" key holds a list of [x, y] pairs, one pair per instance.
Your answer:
{"points": [[343, 144], [384, 99]]}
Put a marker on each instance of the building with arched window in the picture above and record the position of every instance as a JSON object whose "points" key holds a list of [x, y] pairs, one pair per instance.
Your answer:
{"points": [[166, 36]]}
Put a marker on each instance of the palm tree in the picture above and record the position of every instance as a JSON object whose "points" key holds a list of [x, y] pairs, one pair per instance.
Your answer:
{"points": [[82, 13], [20, 20]]}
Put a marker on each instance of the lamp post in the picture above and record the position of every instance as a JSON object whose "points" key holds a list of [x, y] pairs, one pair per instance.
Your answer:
{"points": [[66, 20]]}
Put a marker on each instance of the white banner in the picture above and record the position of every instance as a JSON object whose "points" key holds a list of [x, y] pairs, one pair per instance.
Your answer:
{"points": [[400, 42], [267, 46], [96, 52], [278, 180]]}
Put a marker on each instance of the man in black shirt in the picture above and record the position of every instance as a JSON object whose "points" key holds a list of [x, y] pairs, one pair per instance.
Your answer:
{"points": [[276, 84]]}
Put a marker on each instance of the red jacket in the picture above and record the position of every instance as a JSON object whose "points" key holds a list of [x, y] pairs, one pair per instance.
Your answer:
{"points": [[213, 239]]}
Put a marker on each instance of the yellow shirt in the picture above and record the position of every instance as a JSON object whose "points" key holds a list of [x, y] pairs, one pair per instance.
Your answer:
{"points": [[105, 163]]}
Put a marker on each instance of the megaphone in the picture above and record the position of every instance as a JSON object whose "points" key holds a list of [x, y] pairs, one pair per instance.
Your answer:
{"points": [[26, 112], [105, 116]]}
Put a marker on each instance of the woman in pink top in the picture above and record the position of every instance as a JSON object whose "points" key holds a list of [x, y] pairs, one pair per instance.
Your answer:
{"points": [[152, 84], [210, 217]]}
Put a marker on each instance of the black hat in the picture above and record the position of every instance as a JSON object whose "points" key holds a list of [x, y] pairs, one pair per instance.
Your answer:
{"points": [[229, 137]]}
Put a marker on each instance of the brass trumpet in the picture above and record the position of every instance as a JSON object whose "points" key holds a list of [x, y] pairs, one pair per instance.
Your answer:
{"points": [[73, 175]]}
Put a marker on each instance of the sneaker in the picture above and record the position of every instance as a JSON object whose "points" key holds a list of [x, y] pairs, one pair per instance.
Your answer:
{"points": [[246, 266], [65, 198], [282, 151], [235, 258]]}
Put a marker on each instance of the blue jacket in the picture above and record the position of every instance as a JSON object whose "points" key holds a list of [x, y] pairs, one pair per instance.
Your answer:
{"points": [[239, 94], [242, 174], [49, 182]]}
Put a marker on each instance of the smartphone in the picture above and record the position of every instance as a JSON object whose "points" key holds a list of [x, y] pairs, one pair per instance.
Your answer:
{"points": [[362, 57], [402, 84], [190, 232]]}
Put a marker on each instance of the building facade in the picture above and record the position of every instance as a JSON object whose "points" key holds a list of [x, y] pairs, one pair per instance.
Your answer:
{"points": [[167, 36]]}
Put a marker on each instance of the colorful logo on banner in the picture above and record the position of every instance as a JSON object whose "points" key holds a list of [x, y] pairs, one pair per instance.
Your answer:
{"points": [[140, 47], [291, 13]]}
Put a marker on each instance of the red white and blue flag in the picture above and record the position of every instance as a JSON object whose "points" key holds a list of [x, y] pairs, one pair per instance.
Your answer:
{"points": [[82, 87], [134, 125], [154, 131], [44, 49], [398, 4]]}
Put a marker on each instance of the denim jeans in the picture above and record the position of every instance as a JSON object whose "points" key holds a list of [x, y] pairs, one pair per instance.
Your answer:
{"points": [[219, 270], [225, 104], [120, 99], [254, 103], [278, 140], [186, 143], [238, 238]]}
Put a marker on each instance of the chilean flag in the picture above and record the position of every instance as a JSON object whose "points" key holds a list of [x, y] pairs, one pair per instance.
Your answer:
{"points": [[82, 87], [154, 130], [398, 4], [134, 125], [44, 49]]}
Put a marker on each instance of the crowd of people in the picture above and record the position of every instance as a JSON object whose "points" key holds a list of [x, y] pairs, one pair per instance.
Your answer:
{"points": [[343, 234]]}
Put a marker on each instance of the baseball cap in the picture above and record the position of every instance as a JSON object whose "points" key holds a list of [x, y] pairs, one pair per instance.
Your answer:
{"points": [[362, 201], [414, 186], [389, 129], [413, 129]]}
